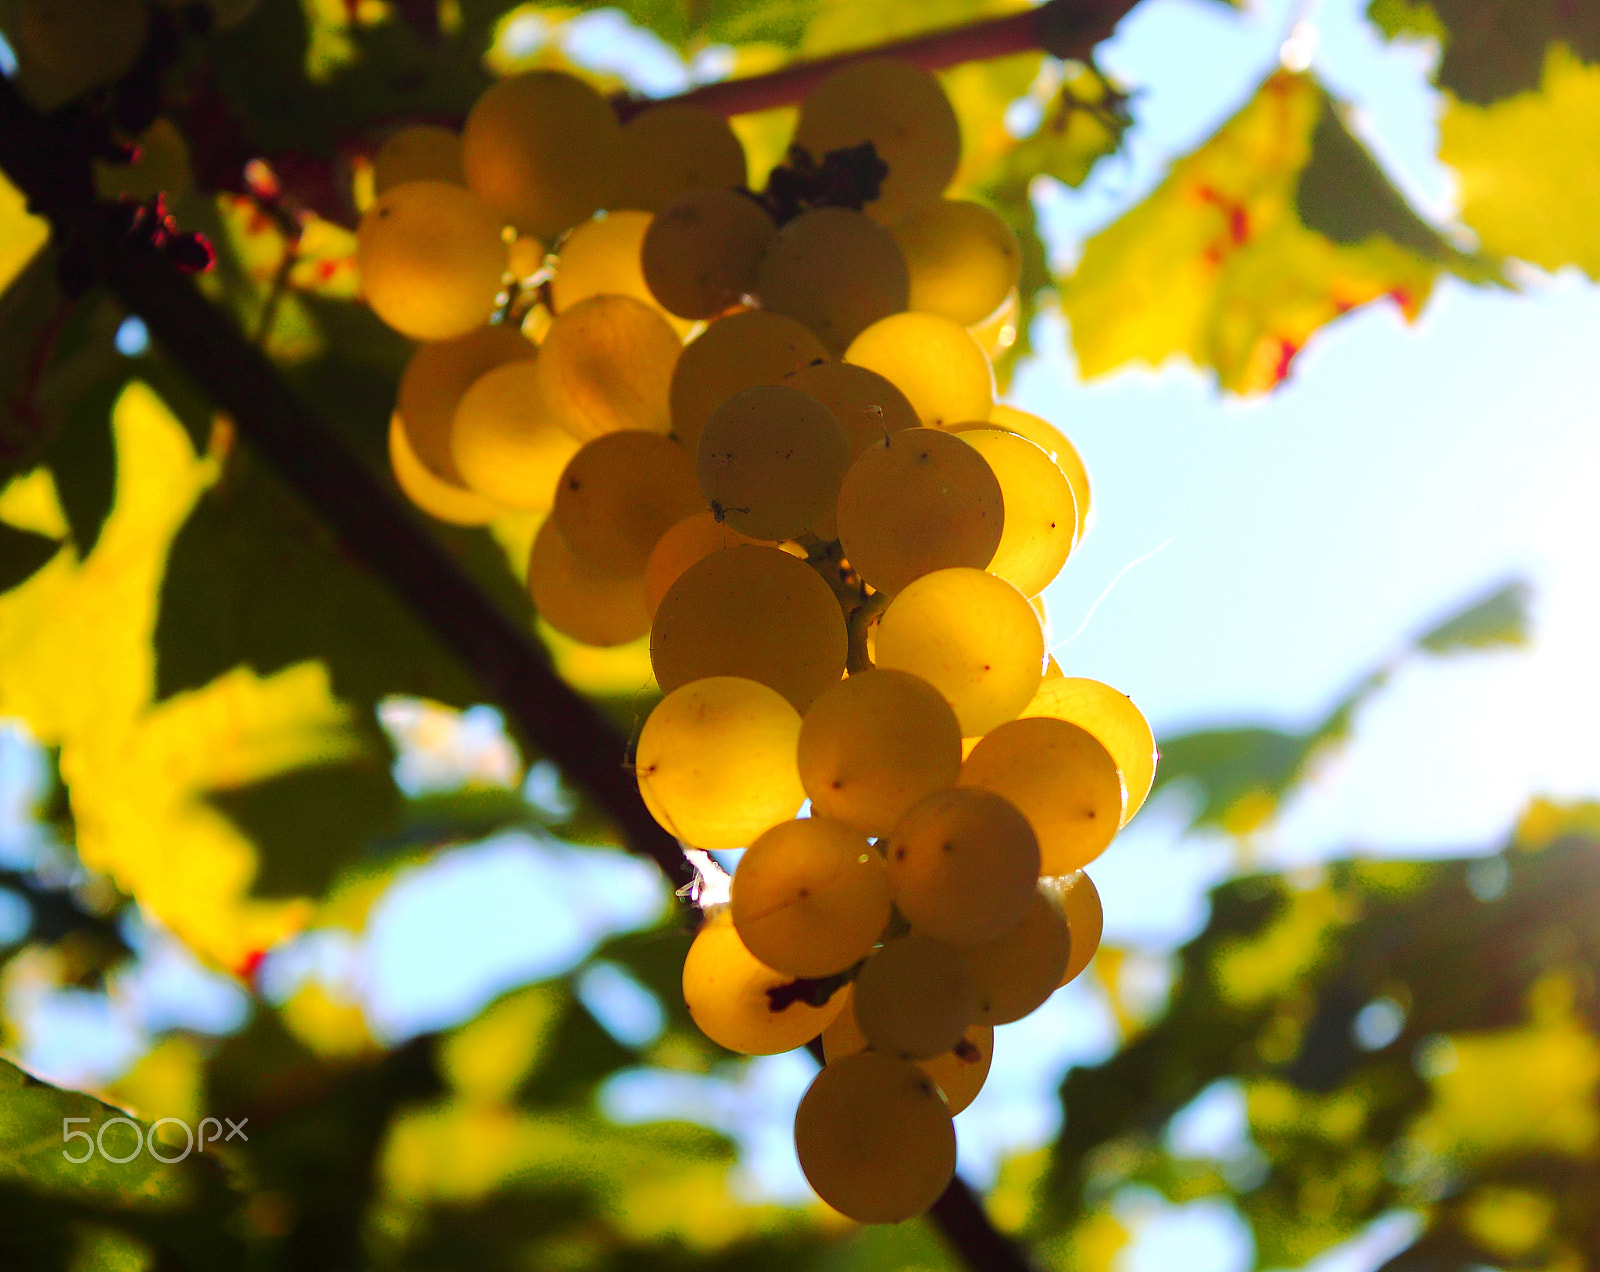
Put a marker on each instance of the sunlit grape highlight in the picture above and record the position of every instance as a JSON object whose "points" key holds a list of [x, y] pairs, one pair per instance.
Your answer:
{"points": [[734, 353], [619, 494], [936, 363], [606, 364], [504, 442], [1040, 509], [1114, 721], [962, 257]]}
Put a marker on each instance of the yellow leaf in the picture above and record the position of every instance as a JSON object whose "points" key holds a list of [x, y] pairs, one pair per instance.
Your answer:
{"points": [[1216, 265], [77, 665], [21, 233], [1529, 178], [1249, 972]]}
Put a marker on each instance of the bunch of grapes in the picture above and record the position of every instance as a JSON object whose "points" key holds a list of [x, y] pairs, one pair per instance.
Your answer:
{"points": [[763, 429]]}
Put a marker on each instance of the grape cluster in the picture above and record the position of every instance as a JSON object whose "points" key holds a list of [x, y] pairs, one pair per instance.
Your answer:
{"points": [[763, 431]]}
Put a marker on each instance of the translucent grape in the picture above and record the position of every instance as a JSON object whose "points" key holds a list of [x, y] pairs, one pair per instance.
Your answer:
{"points": [[755, 612], [504, 442], [1113, 720], [1079, 898], [715, 762], [959, 1072], [1054, 443], [702, 252], [1041, 511], [733, 353], [875, 744], [970, 635], [770, 461], [903, 111], [1063, 781], [918, 501], [431, 258], [422, 152], [835, 270], [962, 865], [1016, 972], [544, 150], [998, 332], [606, 364], [65, 49], [865, 404], [725, 989], [963, 259], [601, 257], [528, 257], [692, 539], [669, 150], [914, 998], [440, 499], [936, 363], [619, 494], [588, 607], [875, 1139], [436, 378], [810, 897]]}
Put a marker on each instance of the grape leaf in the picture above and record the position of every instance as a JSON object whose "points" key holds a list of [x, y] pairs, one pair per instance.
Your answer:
{"points": [[1529, 182], [22, 554], [1492, 48], [1216, 264]]}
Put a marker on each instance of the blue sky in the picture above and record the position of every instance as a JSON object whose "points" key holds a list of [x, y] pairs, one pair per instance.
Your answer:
{"points": [[1298, 541]]}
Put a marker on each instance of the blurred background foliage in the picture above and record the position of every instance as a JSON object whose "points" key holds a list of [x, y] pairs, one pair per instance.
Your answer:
{"points": [[230, 744]]}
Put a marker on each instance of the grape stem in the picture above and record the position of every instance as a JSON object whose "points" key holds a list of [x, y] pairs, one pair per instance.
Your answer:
{"points": [[1062, 28], [860, 620]]}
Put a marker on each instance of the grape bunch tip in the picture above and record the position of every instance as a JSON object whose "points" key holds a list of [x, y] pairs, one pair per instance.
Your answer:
{"points": [[760, 427]]}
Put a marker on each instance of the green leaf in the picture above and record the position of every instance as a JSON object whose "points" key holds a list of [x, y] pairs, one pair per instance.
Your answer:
{"points": [[1501, 618], [1216, 265], [1492, 48], [82, 458], [32, 308], [1084, 123], [1529, 184], [23, 554], [34, 1118], [1344, 195]]}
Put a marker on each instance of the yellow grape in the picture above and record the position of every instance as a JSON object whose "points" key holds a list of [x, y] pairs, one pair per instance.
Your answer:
{"points": [[835, 270], [1114, 721], [755, 612], [866, 405], [963, 864], [810, 897], [970, 635], [1054, 443], [875, 744], [733, 353], [875, 1139], [702, 252], [606, 365], [1041, 511], [959, 1072], [440, 499], [432, 259], [436, 378], [422, 152], [715, 762], [963, 258], [936, 363], [914, 998], [1078, 897], [528, 257], [1017, 971], [588, 607], [544, 150], [998, 332], [601, 257], [903, 111], [619, 494], [1061, 778], [725, 988], [669, 150], [692, 539], [503, 441], [918, 501], [65, 49], [770, 461]]}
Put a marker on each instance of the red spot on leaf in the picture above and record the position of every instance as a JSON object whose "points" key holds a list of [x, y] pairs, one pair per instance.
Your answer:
{"points": [[1287, 349], [250, 964]]}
